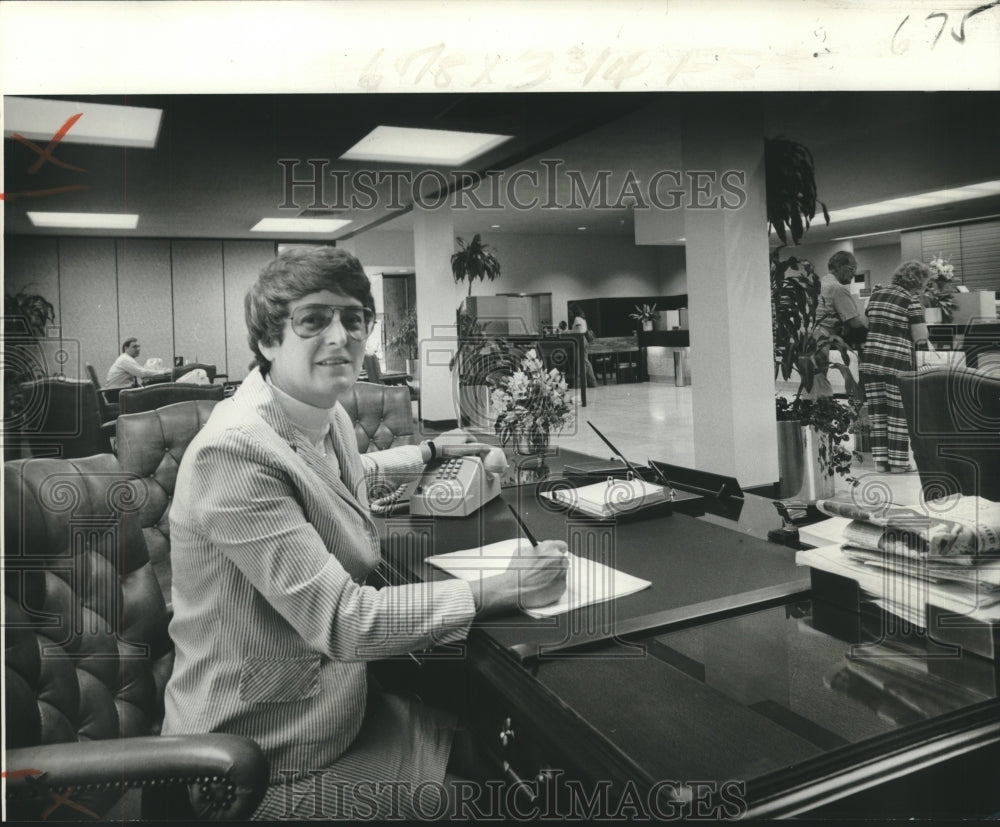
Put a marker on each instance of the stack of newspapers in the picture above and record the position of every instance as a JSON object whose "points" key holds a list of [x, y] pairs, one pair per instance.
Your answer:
{"points": [[943, 553]]}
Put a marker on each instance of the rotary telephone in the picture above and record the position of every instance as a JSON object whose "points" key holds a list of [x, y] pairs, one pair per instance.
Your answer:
{"points": [[448, 487]]}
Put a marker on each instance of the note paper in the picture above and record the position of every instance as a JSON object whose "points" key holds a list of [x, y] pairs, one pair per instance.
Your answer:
{"points": [[609, 497], [586, 580]]}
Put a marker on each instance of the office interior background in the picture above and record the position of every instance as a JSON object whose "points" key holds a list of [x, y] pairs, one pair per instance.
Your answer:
{"points": [[219, 165]]}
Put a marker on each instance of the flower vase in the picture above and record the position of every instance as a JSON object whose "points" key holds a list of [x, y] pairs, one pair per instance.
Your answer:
{"points": [[647, 325], [932, 315], [534, 444]]}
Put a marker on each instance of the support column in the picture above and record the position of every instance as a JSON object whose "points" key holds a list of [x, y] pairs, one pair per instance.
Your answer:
{"points": [[729, 298], [438, 297]]}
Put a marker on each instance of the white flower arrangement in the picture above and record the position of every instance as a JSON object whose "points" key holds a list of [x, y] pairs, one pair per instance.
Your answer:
{"points": [[532, 403], [938, 289], [941, 268]]}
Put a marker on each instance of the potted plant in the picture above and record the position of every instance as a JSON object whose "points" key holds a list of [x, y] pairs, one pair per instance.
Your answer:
{"points": [[531, 405], [474, 261], [406, 340], [811, 433], [26, 316], [812, 440], [790, 179], [938, 291], [479, 360], [645, 314]]}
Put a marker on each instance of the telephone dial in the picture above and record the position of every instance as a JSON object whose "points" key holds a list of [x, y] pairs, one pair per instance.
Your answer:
{"points": [[448, 487]]}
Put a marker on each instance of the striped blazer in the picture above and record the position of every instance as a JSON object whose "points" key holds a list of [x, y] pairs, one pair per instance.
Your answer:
{"points": [[269, 547]]}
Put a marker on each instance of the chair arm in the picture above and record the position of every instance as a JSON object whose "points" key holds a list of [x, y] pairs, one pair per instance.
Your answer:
{"points": [[226, 775]]}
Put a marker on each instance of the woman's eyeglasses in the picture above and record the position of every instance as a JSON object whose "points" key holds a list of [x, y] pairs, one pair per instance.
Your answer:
{"points": [[312, 319]]}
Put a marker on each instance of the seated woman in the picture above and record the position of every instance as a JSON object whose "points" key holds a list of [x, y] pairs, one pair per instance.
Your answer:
{"points": [[271, 541]]}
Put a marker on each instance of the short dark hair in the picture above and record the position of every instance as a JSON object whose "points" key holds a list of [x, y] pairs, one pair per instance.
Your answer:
{"points": [[128, 343], [838, 258], [575, 310], [911, 274], [294, 273]]}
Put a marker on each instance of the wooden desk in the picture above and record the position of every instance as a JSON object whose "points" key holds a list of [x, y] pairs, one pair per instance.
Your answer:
{"points": [[725, 672]]}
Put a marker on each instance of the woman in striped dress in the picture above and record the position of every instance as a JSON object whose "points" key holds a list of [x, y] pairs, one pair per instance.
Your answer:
{"points": [[895, 326], [271, 544]]}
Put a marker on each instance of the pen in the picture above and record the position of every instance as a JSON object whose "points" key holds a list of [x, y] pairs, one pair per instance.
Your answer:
{"points": [[663, 478], [607, 442], [527, 532]]}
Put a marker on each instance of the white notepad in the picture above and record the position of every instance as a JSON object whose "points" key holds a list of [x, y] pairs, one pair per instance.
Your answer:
{"points": [[609, 497], [586, 581]]}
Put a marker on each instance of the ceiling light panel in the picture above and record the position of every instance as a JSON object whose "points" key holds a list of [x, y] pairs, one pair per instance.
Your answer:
{"points": [[913, 202], [299, 225], [39, 119], [84, 220], [404, 145]]}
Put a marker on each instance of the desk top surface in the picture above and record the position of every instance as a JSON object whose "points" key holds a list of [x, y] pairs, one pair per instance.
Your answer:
{"points": [[697, 569], [726, 668]]}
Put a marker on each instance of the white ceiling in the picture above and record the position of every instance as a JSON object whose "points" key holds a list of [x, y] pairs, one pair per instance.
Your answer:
{"points": [[215, 170]]}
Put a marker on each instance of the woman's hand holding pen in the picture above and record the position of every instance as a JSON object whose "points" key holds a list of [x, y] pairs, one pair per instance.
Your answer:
{"points": [[536, 577]]}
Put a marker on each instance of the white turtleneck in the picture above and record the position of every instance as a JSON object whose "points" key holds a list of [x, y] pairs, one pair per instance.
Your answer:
{"points": [[311, 422]]}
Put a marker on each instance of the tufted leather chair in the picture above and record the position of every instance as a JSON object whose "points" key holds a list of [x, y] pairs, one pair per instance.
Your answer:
{"points": [[382, 416], [134, 400], [87, 657], [59, 418], [150, 445], [953, 416]]}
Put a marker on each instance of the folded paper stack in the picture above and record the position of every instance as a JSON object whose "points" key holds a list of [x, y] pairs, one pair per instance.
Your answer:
{"points": [[943, 553]]}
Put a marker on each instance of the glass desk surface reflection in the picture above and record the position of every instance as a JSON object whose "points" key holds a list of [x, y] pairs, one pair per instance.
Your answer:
{"points": [[762, 692]]}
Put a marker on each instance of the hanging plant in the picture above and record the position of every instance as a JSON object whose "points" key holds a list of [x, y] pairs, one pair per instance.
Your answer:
{"points": [[474, 261], [790, 179]]}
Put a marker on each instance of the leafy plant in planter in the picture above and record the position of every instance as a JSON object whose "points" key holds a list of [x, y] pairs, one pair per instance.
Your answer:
{"points": [[474, 261], [645, 314], [799, 345], [790, 177], [406, 340], [26, 316], [834, 420], [480, 360]]}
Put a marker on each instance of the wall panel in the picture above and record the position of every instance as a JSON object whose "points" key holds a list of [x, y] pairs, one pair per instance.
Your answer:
{"points": [[145, 305], [87, 276], [199, 306], [32, 262], [242, 261]]}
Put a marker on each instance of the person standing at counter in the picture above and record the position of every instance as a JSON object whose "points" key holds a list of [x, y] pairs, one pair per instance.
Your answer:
{"points": [[837, 314], [271, 542], [125, 371], [895, 327], [578, 324]]}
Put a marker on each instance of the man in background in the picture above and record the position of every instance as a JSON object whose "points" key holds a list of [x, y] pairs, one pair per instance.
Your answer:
{"points": [[126, 371], [837, 314]]}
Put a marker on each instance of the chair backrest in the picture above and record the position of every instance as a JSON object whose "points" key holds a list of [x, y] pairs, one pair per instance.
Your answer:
{"points": [[136, 400], [953, 416], [177, 372], [92, 374], [372, 368], [150, 445], [96, 667], [59, 418], [382, 416], [107, 398]]}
